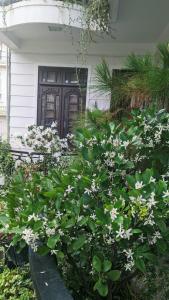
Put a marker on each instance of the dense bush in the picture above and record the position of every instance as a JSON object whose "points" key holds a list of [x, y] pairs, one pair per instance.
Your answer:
{"points": [[6, 160], [16, 285], [106, 216]]}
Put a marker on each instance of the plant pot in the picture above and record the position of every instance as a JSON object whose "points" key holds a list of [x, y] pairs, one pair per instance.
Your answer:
{"points": [[47, 281]]}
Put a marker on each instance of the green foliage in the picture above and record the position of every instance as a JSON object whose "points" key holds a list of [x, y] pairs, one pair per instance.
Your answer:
{"points": [[6, 160], [16, 285], [145, 82], [105, 217]]}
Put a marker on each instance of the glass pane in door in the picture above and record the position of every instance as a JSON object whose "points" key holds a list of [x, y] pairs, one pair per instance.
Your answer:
{"points": [[51, 77]]}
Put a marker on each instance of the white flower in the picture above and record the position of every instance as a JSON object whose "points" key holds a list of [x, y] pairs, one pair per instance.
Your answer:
{"points": [[85, 206], [128, 233], [121, 156], [111, 154], [129, 266], [60, 231], [152, 179], [150, 220], [116, 142], [141, 238], [166, 194], [57, 154], [113, 214], [70, 136], [125, 144], [59, 215], [87, 191], [93, 216], [109, 227], [154, 238], [94, 186], [79, 218], [53, 125], [129, 253], [151, 201], [69, 189], [33, 217], [54, 252], [50, 231], [109, 193], [109, 240], [120, 232], [30, 238], [139, 185]]}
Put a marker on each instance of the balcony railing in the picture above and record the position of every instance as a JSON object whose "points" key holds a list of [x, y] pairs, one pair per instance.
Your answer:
{"points": [[9, 2]]}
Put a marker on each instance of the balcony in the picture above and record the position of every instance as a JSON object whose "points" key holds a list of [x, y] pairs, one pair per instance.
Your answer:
{"points": [[38, 20]]}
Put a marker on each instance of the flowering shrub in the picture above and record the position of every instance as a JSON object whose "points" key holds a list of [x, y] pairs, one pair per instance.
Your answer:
{"points": [[47, 143], [106, 216]]}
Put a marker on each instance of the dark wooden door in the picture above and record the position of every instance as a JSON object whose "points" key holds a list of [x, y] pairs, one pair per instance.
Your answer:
{"points": [[61, 98], [73, 104]]}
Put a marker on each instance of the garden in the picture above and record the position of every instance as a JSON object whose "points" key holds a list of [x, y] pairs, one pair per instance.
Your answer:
{"points": [[98, 200]]}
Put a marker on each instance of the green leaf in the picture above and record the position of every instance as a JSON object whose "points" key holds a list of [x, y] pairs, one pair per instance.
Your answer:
{"points": [[60, 255], [140, 265], [150, 256], [131, 181], [162, 246], [147, 175], [52, 241], [70, 223], [43, 250], [92, 225], [137, 230], [4, 219], [102, 288], [85, 153], [141, 249], [100, 215], [97, 264], [114, 275], [162, 226], [107, 265], [126, 222], [79, 243], [119, 220], [37, 225]]}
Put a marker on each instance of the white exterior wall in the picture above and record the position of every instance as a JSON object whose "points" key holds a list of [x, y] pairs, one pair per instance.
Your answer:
{"points": [[3, 91], [24, 85]]}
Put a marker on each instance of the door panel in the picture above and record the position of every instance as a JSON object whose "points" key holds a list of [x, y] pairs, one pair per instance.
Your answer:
{"points": [[73, 105], [49, 102]]}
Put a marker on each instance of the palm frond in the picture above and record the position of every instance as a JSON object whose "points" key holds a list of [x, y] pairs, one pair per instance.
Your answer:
{"points": [[164, 54], [104, 77], [138, 63]]}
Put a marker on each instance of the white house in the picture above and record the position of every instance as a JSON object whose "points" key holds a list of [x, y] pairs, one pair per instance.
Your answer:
{"points": [[43, 61]]}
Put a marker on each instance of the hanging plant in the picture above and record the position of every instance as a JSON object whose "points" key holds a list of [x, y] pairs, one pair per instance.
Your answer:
{"points": [[97, 14]]}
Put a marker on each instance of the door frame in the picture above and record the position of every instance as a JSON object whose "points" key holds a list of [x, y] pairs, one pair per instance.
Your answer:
{"points": [[62, 86], [58, 65]]}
